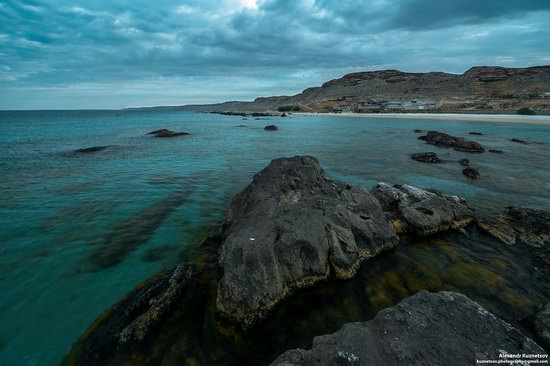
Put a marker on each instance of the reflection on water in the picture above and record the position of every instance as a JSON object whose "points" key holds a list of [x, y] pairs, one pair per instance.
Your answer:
{"points": [[79, 232]]}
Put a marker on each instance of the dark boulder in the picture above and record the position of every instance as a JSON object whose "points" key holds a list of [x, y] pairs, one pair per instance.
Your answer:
{"points": [[444, 328], [290, 228], [167, 133], [417, 131], [283, 114], [519, 141], [495, 151], [542, 325], [464, 162], [416, 211], [471, 173], [91, 150], [271, 128], [458, 143], [475, 133], [526, 225], [427, 157], [131, 321]]}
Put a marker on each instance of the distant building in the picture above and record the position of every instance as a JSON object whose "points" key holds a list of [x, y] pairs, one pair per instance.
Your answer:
{"points": [[393, 105], [411, 105]]}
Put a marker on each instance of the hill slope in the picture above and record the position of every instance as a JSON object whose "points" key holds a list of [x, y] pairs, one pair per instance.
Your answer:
{"points": [[486, 87]]}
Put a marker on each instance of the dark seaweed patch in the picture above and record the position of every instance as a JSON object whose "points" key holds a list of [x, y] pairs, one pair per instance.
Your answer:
{"points": [[127, 235]]}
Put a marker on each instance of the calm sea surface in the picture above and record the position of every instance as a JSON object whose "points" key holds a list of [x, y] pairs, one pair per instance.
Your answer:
{"points": [[77, 232]]}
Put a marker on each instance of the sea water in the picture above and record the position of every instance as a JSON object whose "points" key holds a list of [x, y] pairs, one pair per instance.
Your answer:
{"points": [[78, 231]]}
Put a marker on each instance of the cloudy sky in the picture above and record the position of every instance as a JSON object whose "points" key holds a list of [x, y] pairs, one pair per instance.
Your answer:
{"points": [[62, 54]]}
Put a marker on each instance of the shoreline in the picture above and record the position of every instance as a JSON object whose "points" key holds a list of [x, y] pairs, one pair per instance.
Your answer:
{"points": [[509, 118]]}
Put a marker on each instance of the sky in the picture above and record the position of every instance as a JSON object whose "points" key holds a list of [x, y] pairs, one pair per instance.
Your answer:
{"points": [[78, 54]]}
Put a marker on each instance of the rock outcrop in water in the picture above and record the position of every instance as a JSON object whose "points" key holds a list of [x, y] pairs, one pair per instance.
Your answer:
{"points": [[271, 128], [526, 225], [416, 211], [91, 150], [128, 324], [444, 328], [426, 157], [458, 143], [471, 173], [290, 228], [162, 133]]}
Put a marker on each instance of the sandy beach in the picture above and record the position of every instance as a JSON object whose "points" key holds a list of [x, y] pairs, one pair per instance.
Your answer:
{"points": [[510, 118]]}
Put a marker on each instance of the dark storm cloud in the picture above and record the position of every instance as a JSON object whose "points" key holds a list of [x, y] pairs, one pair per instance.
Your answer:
{"points": [[132, 52]]}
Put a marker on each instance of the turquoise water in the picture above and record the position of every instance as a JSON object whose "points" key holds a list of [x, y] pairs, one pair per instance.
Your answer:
{"points": [[77, 232]]}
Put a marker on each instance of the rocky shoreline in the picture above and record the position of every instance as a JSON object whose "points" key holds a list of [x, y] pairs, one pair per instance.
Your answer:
{"points": [[293, 227]]}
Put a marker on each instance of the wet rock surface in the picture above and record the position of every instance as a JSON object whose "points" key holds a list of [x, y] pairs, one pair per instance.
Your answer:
{"points": [[518, 224], [542, 325], [290, 228], [427, 157], [475, 133], [131, 321], [271, 128], [471, 173], [163, 133], [495, 151], [416, 211], [458, 143], [444, 328], [464, 162]]}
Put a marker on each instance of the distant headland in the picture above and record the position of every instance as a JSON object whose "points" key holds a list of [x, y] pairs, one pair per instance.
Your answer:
{"points": [[481, 89]]}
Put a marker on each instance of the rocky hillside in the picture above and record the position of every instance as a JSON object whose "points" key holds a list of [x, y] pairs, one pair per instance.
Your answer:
{"points": [[479, 88]]}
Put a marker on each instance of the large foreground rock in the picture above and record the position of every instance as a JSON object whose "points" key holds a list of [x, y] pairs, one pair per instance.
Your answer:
{"points": [[444, 328], [526, 225], [290, 228], [416, 211], [458, 143]]}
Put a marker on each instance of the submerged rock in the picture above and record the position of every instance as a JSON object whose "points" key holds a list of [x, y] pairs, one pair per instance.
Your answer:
{"points": [[527, 225], [519, 141], [427, 157], [271, 128], [444, 328], [458, 143], [464, 162], [498, 230], [290, 228], [91, 150], [167, 133], [475, 133], [417, 131], [416, 211], [495, 151], [542, 325], [131, 321], [471, 173]]}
